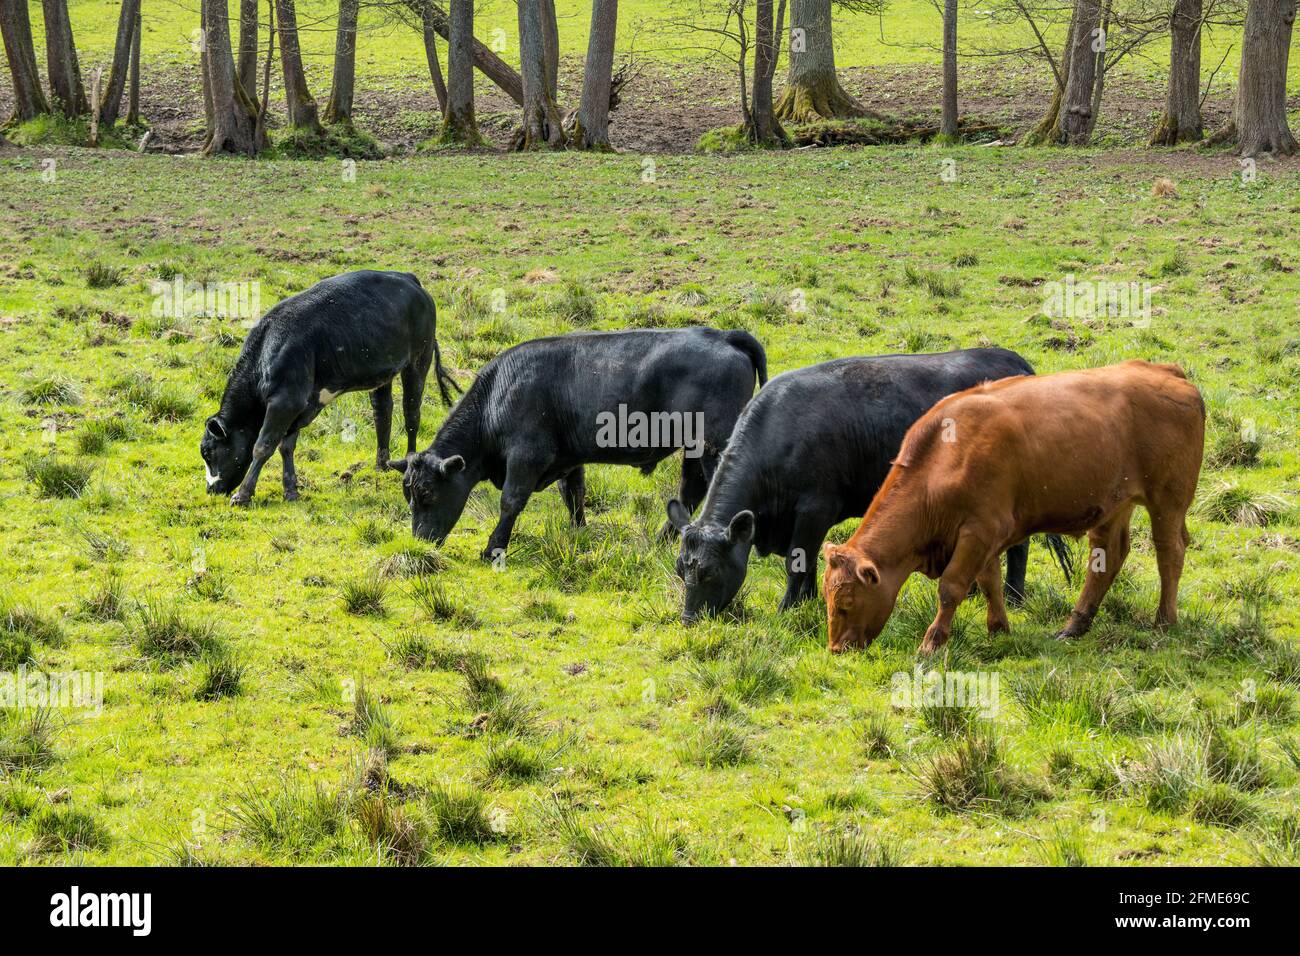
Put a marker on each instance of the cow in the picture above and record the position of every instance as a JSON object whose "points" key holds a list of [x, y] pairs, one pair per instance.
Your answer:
{"points": [[809, 452], [352, 332], [1070, 453], [542, 410]]}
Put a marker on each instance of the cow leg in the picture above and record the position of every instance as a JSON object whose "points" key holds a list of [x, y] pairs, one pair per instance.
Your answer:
{"points": [[412, 397], [280, 416], [968, 561], [381, 402], [1017, 564], [521, 480], [290, 476], [573, 489], [801, 562], [1108, 547], [990, 582], [1169, 531], [692, 488]]}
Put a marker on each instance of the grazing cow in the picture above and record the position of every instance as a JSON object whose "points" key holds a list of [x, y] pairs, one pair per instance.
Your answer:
{"points": [[352, 332], [539, 412], [808, 452], [1069, 453]]}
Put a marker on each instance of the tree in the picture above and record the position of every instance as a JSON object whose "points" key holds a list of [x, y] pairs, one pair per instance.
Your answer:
{"points": [[339, 107], [1181, 120], [761, 124], [592, 128], [460, 125], [232, 123], [61, 60], [1087, 42], [551, 44], [1258, 123], [111, 105], [542, 125], [428, 18], [247, 62], [948, 122], [20, 52], [298, 99], [133, 86], [812, 89]]}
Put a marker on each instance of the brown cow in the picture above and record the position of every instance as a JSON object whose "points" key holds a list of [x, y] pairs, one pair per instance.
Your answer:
{"points": [[1069, 453]]}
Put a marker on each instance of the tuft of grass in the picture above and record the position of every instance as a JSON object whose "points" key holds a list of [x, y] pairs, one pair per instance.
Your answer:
{"points": [[158, 403], [441, 603], [64, 829], [413, 561], [1077, 700], [220, 673], [291, 817], [108, 601], [877, 737], [947, 720], [371, 721], [397, 836], [57, 478], [1233, 443], [50, 390], [749, 672], [16, 619], [1166, 774], [973, 777], [101, 275], [716, 743], [1063, 846], [459, 815], [577, 304], [647, 844], [1229, 503], [1276, 841], [365, 596], [847, 847], [1218, 804], [513, 760], [27, 739], [166, 635]]}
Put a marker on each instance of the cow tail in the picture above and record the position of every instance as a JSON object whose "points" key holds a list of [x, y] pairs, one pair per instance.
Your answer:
{"points": [[440, 374], [1061, 551], [744, 342]]}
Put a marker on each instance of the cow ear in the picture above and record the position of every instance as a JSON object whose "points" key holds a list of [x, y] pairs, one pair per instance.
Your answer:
{"points": [[452, 465], [866, 570], [678, 516], [741, 529], [216, 427]]}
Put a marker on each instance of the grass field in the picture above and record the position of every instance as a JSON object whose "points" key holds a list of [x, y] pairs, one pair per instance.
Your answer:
{"points": [[307, 683]]}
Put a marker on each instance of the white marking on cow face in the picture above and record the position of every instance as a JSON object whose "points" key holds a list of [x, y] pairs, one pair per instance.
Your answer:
{"points": [[212, 479], [326, 396]]}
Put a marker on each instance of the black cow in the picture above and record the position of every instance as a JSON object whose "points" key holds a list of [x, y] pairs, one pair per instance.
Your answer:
{"points": [[352, 332], [539, 412], [810, 451]]}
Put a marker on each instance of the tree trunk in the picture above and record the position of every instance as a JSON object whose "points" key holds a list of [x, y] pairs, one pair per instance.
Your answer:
{"points": [[427, 15], [298, 101], [20, 52], [133, 82], [1048, 128], [69, 94], [1260, 114], [339, 108], [460, 125], [247, 63], [763, 127], [542, 125], [485, 61], [812, 90], [233, 128], [592, 129], [948, 122], [1181, 121], [111, 106], [1076, 116], [551, 45]]}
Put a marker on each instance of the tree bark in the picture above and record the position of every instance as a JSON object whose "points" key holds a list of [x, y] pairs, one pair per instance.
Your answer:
{"points": [[460, 125], [542, 125], [133, 82], [948, 121], [1076, 117], [592, 129], [247, 61], [1181, 121], [20, 52], [763, 127], [61, 55], [233, 128], [111, 105], [298, 100], [813, 90], [339, 108], [551, 44], [427, 15], [1260, 115], [485, 61]]}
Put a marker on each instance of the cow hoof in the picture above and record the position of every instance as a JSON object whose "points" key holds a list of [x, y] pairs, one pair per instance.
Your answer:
{"points": [[291, 495], [999, 627], [933, 641], [239, 500], [491, 554]]}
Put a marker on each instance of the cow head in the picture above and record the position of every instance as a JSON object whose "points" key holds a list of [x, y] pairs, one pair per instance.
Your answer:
{"points": [[712, 560], [858, 602], [227, 452], [436, 489]]}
